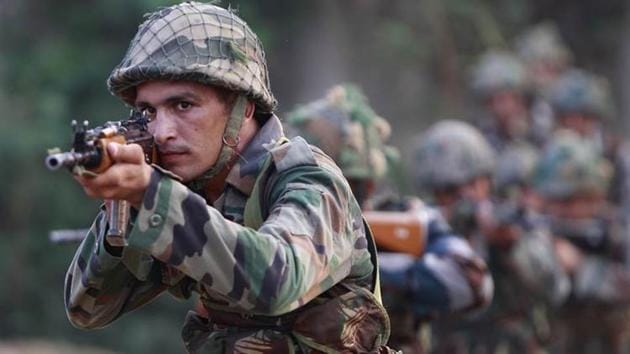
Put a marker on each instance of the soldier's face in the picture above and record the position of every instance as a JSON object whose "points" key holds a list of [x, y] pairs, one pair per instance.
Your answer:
{"points": [[582, 124], [187, 120], [577, 207], [509, 110]]}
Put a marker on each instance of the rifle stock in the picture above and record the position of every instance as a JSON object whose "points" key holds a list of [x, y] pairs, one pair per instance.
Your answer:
{"points": [[403, 232]]}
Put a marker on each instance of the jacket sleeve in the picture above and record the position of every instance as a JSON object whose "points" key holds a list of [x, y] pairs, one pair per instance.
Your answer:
{"points": [[448, 278], [99, 287], [307, 244]]}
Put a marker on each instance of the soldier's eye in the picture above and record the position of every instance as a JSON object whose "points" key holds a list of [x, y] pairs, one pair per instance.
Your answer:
{"points": [[148, 112], [183, 105]]}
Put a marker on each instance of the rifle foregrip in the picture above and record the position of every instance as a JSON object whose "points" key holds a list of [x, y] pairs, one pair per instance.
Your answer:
{"points": [[106, 161]]}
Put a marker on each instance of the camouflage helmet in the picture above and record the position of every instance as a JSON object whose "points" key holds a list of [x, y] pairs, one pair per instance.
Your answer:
{"points": [[497, 71], [543, 42], [571, 166], [451, 153], [197, 42], [580, 92], [346, 128], [515, 167]]}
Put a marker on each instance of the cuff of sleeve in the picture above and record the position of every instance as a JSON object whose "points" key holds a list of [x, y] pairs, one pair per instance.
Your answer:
{"points": [[151, 220], [105, 260]]}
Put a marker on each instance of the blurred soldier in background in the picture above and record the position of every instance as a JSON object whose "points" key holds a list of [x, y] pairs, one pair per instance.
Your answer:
{"points": [[448, 277], [499, 83], [454, 165], [346, 128], [531, 283], [544, 54], [583, 103], [518, 206], [572, 179], [546, 57]]}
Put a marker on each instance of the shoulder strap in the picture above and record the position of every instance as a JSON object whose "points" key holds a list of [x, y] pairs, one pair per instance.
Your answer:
{"points": [[376, 281]]}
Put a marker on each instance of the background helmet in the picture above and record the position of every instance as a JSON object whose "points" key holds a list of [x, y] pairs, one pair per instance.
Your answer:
{"points": [[580, 92], [571, 166], [497, 71], [543, 43], [451, 153], [197, 42], [346, 128]]}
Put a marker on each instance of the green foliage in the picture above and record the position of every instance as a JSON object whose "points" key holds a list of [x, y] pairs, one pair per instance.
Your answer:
{"points": [[55, 58]]}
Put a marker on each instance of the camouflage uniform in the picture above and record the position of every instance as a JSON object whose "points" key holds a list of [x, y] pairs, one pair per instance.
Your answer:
{"points": [[282, 261], [595, 317], [449, 277], [450, 155]]}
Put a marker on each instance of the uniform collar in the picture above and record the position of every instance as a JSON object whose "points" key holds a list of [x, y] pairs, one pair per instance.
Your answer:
{"points": [[243, 174]]}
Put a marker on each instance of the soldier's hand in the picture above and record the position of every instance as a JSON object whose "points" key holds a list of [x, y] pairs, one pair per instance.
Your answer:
{"points": [[569, 256], [504, 236], [126, 179]]}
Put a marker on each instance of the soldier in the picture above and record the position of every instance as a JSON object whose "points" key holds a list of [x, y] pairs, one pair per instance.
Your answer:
{"points": [[448, 277], [572, 179], [499, 83], [582, 102], [453, 170], [546, 58], [346, 128], [454, 167], [531, 282], [263, 228], [545, 55]]}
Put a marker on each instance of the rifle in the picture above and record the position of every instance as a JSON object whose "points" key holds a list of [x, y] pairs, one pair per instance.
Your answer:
{"points": [[88, 156], [398, 231]]}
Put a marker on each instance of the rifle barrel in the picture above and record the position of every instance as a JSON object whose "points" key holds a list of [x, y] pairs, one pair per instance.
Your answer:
{"points": [[68, 159]]}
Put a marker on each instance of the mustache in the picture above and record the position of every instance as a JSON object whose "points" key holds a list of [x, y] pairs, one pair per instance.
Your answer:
{"points": [[172, 149]]}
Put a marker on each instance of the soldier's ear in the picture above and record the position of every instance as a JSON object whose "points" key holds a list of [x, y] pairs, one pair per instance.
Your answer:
{"points": [[250, 109]]}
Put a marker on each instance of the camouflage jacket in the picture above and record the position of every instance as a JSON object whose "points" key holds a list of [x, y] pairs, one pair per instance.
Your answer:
{"points": [[300, 282]]}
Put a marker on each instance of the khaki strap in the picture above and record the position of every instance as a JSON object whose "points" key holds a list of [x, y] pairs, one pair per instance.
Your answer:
{"points": [[376, 280], [229, 143]]}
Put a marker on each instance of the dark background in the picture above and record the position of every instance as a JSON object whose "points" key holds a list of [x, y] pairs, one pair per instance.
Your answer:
{"points": [[412, 57]]}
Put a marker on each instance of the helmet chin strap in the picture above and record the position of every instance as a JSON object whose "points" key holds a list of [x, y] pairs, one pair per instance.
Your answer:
{"points": [[229, 145]]}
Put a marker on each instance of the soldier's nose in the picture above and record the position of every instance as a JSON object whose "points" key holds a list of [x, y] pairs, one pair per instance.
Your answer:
{"points": [[163, 129]]}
